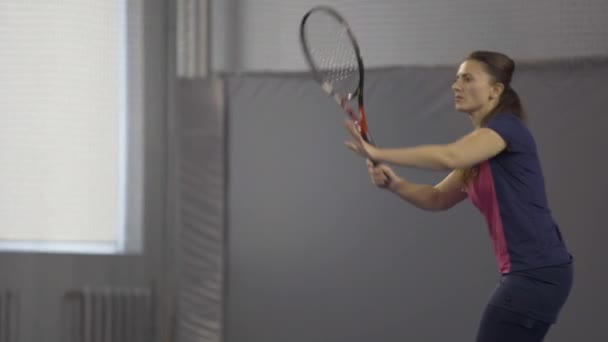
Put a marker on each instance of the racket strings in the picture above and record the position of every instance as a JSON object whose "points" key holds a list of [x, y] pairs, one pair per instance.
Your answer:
{"points": [[333, 53]]}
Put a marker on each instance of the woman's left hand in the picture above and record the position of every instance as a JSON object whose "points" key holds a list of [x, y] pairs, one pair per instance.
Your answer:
{"points": [[357, 144]]}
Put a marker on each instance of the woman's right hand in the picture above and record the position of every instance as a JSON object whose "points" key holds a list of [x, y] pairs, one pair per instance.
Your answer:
{"points": [[382, 175]]}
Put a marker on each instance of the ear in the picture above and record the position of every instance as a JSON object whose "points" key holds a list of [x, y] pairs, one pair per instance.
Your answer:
{"points": [[496, 90]]}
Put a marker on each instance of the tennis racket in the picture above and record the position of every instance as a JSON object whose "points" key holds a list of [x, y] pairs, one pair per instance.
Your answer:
{"points": [[332, 53]]}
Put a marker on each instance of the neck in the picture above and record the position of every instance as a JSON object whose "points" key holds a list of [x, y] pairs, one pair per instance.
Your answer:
{"points": [[477, 116]]}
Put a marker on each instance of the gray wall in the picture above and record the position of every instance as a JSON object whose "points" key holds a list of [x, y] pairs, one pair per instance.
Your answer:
{"points": [[262, 35], [316, 253], [42, 279]]}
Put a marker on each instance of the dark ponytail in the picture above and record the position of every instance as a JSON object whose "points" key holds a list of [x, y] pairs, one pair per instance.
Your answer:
{"points": [[509, 102]]}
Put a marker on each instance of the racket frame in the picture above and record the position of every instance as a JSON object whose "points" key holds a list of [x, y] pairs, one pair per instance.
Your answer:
{"points": [[342, 100]]}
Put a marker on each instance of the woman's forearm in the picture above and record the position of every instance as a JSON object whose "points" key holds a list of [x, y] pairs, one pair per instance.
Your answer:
{"points": [[434, 157], [422, 196]]}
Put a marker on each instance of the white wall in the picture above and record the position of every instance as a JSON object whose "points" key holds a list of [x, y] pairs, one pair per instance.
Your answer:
{"points": [[263, 34]]}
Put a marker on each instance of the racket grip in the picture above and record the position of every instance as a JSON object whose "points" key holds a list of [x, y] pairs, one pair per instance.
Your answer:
{"points": [[368, 138]]}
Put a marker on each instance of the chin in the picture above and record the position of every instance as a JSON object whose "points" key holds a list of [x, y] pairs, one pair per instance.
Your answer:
{"points": [[461, 109]]}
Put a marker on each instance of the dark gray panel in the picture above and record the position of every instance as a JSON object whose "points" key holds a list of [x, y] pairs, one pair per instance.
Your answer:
{"points": [[199, 171], [316, 253]]}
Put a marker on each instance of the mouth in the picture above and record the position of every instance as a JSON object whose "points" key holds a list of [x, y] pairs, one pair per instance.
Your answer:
{"points": [[458, 98]]}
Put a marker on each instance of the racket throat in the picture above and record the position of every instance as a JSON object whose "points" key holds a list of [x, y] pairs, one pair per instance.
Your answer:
{"points": [[359, 120], [363, 121]]}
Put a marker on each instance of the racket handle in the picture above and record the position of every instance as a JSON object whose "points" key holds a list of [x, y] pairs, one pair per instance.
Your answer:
{"points": [[368, 138]]}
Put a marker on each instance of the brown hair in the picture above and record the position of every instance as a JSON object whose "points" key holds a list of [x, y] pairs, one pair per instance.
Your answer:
{"points": [[500, 68]]}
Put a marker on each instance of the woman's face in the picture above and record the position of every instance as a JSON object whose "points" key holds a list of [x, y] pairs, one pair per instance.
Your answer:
{"points": [[474, 90]]}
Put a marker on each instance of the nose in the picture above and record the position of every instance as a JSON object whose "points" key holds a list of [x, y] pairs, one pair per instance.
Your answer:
{"points": [[455, 86]]}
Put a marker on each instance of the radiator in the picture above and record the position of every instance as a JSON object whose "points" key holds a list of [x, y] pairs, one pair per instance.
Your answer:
{"points": [[108, 315], [9, 316]]}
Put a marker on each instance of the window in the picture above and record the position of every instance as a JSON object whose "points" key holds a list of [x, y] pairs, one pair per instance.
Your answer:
{"points": [[71, 126]]}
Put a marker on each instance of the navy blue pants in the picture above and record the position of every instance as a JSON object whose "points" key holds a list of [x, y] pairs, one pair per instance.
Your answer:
{"points": [[525, 304], [501, 325]]}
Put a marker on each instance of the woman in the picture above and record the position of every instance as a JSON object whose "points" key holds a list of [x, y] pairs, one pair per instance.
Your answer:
{"points": [[497, 166]]}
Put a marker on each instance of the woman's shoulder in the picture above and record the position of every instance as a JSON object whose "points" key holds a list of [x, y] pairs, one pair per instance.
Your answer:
{"points": [[513, 130]]}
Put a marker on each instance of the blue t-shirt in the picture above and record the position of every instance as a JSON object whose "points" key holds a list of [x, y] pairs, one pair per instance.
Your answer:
{"points": [[510, 192]]}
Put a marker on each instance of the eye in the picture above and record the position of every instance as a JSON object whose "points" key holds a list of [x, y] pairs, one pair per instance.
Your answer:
{"points": [[465, 78]]}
